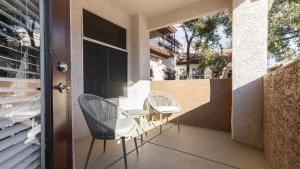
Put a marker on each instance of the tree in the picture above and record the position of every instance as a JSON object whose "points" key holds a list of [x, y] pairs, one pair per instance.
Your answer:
{"points": [[284, 29], [204, 60], [208, 35], [217, 64], [214, 61], [189, 29], [203, 35]]}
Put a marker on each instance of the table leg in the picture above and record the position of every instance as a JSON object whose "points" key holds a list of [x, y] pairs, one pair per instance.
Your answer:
{"points": [[161, 123]]}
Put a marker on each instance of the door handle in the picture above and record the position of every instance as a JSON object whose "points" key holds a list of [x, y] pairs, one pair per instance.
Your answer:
{"points": [[62, 87]]}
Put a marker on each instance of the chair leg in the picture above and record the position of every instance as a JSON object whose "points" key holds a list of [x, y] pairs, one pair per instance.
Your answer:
{"points": [[160, 129], [178, 123], [167, 121], [104, 145], [160, 116], [136, 147], [142, 140], [124, 152], [89, 153]]}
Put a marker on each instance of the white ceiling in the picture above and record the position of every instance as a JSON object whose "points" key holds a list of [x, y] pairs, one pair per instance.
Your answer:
{"points": [[149, 8]]}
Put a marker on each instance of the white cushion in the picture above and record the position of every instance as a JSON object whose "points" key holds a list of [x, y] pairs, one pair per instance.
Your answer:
{"points": [[167, 109], [121, 115], [122, 127]]}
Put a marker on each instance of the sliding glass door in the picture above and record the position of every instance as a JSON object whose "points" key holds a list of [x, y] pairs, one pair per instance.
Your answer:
{"points": [[20, 74]]}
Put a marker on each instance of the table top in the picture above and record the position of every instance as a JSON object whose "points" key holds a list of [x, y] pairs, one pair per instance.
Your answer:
{"points": [[138, 112]]}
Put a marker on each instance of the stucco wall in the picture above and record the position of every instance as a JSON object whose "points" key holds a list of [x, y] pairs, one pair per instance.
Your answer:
{"points": [[249, 64], [107, 11], [282, 117], [138, 57], [205, 103], [140, 48]]}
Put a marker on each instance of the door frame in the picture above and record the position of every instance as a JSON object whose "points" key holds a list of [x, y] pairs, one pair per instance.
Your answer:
{"points": [[57, 149]]}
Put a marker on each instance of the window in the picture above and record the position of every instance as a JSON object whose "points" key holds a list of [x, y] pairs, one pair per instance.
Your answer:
{"points": [[101, 30], [151, 73], [104, 57]]}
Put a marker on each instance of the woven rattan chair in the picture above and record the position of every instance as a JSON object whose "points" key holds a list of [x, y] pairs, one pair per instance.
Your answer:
{"points": [[106, 122], [163, 103]]}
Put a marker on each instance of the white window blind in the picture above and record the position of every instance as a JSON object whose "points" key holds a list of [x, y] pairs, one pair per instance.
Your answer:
{"points": [[20, 126]]}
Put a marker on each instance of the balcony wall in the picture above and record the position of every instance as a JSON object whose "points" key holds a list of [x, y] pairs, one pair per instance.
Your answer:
{"points": [[282, 117], [205, 103]]}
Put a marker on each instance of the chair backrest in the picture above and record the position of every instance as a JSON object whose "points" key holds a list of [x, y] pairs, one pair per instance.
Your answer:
{"points": [[96, 110], [146, 105], [158, 98]]}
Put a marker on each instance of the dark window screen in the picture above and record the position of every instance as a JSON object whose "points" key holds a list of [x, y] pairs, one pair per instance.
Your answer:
{"points": [[105, 70], [97, 28], [95, 63], [117, 72]]}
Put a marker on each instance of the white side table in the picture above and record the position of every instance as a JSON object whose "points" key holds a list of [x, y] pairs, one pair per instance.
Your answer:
{"points": [[141, 115]]}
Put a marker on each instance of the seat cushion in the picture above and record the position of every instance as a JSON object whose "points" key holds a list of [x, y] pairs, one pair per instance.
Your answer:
{"points": [[122, 127], [167, 109]]}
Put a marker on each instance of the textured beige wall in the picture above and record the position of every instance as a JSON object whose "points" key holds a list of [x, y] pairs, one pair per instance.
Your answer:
{"points": [[205, 103], [249, 64], [282, 117]]}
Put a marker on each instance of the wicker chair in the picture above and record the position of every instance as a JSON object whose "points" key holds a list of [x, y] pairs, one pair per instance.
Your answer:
{"points": [[106, 122], [163, 103]]}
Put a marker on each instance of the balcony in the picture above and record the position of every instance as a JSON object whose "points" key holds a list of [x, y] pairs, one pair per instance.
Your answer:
{"points": [[165, 44], [204, 140], [102, 47], [222, 121]]}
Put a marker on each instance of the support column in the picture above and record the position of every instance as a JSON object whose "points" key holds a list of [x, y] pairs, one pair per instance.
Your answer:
{"points": [[140, 60], [138, 64], [250, 33]]}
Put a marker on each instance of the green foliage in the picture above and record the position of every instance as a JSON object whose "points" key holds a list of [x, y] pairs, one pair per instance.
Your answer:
{"points": [[204, 60], [207, 36], [215, 63], [203, 35], [189, 29], [284, 29]]}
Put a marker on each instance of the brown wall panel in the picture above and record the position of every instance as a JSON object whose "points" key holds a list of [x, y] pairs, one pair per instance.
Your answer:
{"points": [[205, 103]]}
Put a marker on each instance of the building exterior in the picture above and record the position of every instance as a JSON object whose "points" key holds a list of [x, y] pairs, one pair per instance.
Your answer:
{"points": [[195, 60], [164, 48], [181, 72]]}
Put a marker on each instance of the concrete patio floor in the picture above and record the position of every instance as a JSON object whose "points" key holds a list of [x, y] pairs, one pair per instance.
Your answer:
{"points": [[191, 148]]}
